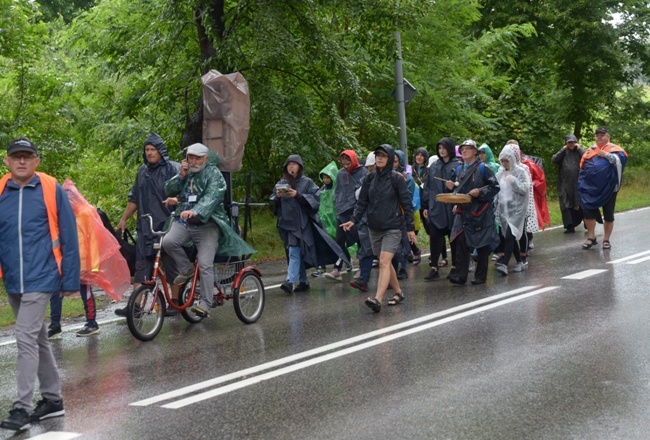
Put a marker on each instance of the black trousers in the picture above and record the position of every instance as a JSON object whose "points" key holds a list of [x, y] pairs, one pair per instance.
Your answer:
{"points": [[462, 260]]}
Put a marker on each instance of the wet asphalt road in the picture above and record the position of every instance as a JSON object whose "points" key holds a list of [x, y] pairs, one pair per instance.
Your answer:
{"points": [[559, 351]]}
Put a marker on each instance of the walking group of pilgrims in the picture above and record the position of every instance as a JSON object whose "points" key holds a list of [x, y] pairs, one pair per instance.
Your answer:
{"points": [[470, 204]]}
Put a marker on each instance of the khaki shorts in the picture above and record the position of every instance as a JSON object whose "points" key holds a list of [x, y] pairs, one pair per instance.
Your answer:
{"points": [[385, 241]]}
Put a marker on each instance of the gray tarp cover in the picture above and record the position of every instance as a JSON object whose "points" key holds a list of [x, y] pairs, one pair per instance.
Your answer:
{"points": [[226, 115]]}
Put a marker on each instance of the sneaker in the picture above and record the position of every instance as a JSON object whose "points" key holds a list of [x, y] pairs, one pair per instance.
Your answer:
{"points": [[54, 331], [417, 258], [519, 267], [531, 245], [401, 274], [89, 330], [334, 275], [287, 287], [181, 278], [349, 268], [471, 266], [502, 269], [359, 283], [318, 273], [375, 263], [200, 310], [46, 409], [17, 421], [433, 275], [495, 257], [301, 287], [121, 312]]}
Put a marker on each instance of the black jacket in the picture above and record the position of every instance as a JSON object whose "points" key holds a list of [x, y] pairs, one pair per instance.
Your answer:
{"points": [[385, 199]]}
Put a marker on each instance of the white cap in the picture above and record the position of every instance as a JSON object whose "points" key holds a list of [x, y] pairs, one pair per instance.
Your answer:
{"points": [[197, 150], [432, 159], [370, 160]]}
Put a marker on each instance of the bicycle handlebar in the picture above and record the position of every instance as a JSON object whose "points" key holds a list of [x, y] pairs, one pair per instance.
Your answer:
{"points": [[157, 233]]}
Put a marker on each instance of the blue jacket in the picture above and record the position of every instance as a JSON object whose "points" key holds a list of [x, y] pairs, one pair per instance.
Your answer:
{"points": [[26, 257]]}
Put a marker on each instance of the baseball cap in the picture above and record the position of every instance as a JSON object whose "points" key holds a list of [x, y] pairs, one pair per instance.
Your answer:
{"points": [[370, 160], [21, 144], [197, 149], [570, 138], [602, 130]]}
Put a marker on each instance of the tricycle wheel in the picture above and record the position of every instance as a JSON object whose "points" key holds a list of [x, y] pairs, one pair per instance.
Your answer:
{"points": [[248, 297]]}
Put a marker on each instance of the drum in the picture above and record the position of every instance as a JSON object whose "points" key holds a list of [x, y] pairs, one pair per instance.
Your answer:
{"points": [[453, 198]]}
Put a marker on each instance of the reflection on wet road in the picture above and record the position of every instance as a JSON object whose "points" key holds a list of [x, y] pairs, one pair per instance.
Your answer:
{"points": [[560, 350]]}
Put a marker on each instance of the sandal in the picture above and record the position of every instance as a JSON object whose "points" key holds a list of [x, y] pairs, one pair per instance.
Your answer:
{"points": [[606, 245], [591, 242], [443, 262], [397, 298], [374, 304]]}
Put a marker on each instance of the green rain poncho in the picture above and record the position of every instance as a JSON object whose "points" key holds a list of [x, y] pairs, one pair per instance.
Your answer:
{"points": [[326, 210], [489, 158]]}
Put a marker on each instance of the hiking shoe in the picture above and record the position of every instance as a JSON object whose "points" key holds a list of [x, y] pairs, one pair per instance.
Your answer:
{"points": [[359, 283], [433, 275], [519, 267], [200, 310], [89, 330], [181, 278], [121, 312], [502, 269], [287, 287], [417, 258], [401, 274], [17, 421], [301, 287], [54, 331], [46, 409], [318, 273], [334, 275]]}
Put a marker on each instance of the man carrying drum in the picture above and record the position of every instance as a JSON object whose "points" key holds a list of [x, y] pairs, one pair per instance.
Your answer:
{"points": [[474, 222]]}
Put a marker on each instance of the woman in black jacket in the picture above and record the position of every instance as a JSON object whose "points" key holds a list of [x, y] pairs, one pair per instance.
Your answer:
{"points": [[387, 203]]}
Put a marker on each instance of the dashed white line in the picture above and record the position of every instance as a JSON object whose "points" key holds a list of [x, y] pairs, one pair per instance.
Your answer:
{"points": [[584, 274], [56, 435], [629, 257]]}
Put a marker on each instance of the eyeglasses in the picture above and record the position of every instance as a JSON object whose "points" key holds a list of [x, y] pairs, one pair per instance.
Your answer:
{"points": [[25, 157]]}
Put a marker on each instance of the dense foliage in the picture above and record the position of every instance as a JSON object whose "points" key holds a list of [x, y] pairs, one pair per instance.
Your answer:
{"points": [[87, 80]]}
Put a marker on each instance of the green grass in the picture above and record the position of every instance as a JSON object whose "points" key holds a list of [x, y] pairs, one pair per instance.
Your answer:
{"points": [[72, 308]]}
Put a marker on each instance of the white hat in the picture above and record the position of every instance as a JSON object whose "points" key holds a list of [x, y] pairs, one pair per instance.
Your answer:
{"points": [[370, 160], [197, 150], [434, 158]]}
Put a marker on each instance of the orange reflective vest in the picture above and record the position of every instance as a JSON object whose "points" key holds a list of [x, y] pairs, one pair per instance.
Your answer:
{"points": [[48, 183]]}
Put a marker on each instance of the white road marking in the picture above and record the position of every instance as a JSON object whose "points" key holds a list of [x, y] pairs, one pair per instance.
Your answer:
{"points": [[584, 274], [316, 351], [630, 257], [291, 368], [56, 435], [640, 260]]}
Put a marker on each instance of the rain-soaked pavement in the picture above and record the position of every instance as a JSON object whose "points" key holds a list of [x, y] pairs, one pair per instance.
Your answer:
{"points": [[559, 351]]}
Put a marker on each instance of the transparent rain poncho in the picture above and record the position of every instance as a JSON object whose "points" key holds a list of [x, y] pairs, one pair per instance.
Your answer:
{"points": [[513, 198]]}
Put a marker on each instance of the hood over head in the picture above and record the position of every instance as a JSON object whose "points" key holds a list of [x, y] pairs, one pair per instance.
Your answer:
{"points": [[353, 159], [390, 152], [489, 155], [424, 152], [449, 145], [402, 160], [330, 170], [155, 140], [509, 154], [293, 158]]}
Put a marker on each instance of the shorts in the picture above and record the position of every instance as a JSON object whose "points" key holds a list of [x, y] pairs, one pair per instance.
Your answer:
{"points": [[608, 211], [385, 241]]}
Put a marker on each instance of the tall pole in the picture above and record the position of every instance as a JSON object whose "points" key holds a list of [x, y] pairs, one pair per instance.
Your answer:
{"points": [[399, 87]]}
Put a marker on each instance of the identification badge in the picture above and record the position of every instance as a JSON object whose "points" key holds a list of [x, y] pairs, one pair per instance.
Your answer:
{"points": [[192, 198]]}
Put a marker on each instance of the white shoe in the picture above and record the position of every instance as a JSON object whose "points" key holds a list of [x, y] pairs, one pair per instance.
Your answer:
{"points": [[502, 269], [519, 267], [334, 275]]}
